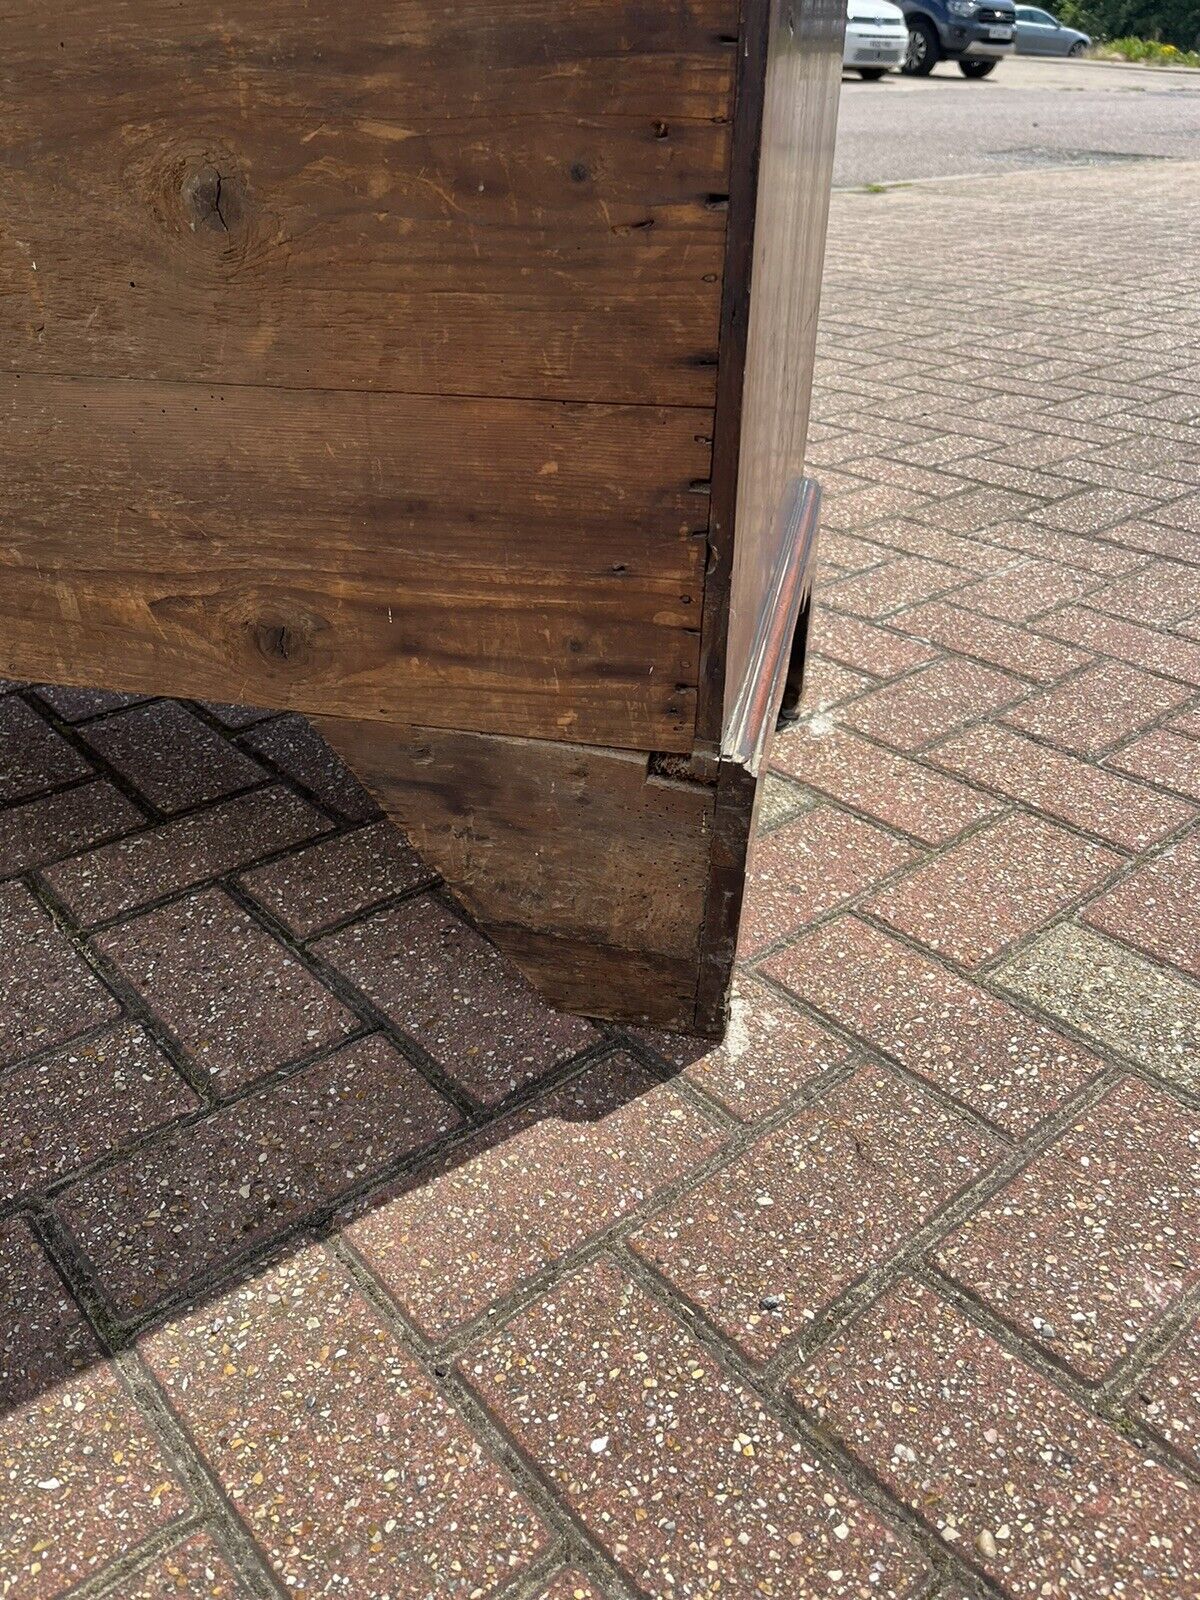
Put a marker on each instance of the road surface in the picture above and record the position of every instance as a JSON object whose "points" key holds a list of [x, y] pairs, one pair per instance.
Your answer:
{"points": [[1029, 114]]}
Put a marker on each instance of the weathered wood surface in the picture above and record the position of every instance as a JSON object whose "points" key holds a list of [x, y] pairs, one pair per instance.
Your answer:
{"points": [[501, 197], [590, 870], [523, 567], [440, 372]]}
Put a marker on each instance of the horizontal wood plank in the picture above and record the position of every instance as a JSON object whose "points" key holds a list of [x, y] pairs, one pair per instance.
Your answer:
{"points": [[503, 566], [506, 199], [589, 871]]}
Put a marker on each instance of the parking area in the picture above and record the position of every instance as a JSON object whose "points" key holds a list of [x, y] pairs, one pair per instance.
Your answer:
{"points": [[1027, 115], [335, 1265]]}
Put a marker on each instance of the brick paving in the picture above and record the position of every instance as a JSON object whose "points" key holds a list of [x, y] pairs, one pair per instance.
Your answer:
{"points": [[332, 1263]]}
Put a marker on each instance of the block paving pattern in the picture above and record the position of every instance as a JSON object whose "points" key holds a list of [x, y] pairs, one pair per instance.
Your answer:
{"points": [[332, 1263]]}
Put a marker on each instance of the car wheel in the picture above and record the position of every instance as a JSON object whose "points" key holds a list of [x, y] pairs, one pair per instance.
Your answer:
{"points": [[1077, 48], [976, 69], [871, 74], [922, 54]]}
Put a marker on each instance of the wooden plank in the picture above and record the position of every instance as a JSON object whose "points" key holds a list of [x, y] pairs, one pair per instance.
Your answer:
{"points": [[519, 198], [517, 567], [588, 870], [783, 156], [733, 825]]}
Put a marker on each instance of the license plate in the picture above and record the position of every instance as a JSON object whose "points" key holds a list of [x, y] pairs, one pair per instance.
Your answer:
{"points": [[999, 33]]}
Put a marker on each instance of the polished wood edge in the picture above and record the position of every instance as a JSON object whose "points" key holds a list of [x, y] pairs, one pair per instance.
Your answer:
{"points": [[752, 716], [749, 98], [778, 653]]}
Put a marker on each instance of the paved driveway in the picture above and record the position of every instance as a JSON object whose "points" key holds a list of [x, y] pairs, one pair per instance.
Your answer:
{"points": [[336, 1266], [1029, 114]]}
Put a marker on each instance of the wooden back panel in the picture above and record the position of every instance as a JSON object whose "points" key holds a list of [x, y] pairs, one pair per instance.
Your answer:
{"points": [[501, 197], [359, 358]]}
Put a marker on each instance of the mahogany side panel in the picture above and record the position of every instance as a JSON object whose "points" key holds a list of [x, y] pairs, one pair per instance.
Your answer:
{"points": [[779, 207]]}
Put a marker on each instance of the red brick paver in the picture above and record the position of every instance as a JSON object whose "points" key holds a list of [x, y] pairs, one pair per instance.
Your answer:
{"points": [[1007, 879], [194, 1568], [35, 757], [522, 1196], [769, 1054], [1091, 712], [415, 1506], [998, 644], [1098, 801], [312, 889], [59, 824], [570, 1586], [1098, 1237], [450, 990], [120, 877], [947, 1030], [67, 1107], [172, 757], [236, 1000], [1167, 1399], [1027, 1486], [1156, 907], [933, 702], [670, 1463], [154, 1223], [84, 1478], [891, 787], [809, 867], [1162, 756], [768, 1243], [47, 991]]}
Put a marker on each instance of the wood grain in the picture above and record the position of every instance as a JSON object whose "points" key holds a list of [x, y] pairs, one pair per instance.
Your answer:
{"points": [[519, 567], [762, 422], [441, 372], [589, 871], [499, 197]]}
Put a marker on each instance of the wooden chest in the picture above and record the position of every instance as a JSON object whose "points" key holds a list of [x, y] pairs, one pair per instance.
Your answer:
{"points": [[440, 372]]}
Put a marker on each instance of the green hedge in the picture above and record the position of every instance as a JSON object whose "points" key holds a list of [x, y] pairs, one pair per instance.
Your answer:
{"points": [[1174, 22]]}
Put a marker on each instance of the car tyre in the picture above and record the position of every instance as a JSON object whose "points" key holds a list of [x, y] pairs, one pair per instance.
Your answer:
{"points": [[871, 74], [1077, 48], [976, 69], [923, 51]]}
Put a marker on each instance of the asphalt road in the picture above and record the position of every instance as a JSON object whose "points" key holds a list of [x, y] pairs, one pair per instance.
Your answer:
{"points": [[1028, 114]]}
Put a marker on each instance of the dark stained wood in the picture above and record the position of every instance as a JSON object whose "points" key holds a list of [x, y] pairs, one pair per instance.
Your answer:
{"points": [[749, 98], [791, 84], [441, 372], [733, 826], [588, 869], [502, 197], [508, 566]]}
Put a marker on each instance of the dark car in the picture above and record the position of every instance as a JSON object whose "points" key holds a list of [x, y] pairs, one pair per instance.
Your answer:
{"points": [[973, 34]]}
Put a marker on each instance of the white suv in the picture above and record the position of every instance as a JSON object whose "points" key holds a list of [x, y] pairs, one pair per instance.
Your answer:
{"points": [[876, 38]]}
